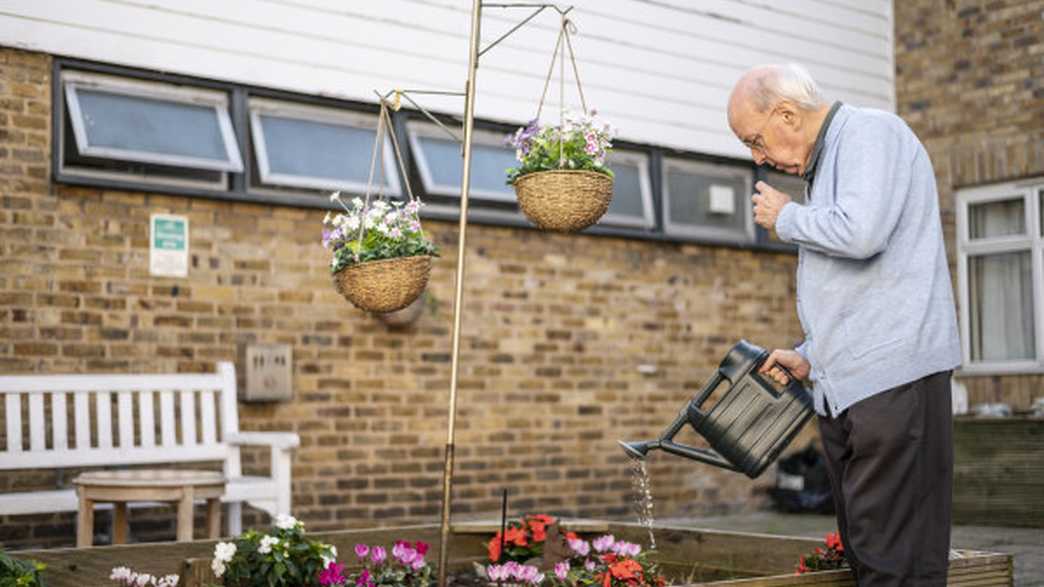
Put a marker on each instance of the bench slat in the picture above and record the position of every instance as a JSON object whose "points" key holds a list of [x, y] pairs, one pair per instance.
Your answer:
{"points": [[188, 418], [107, 382], [146, 421], [59, 421], [13, 407], [113, 456], [209, 423], [37, 431], [82, 420], [167, 433], [104, 411], [125, 404]]}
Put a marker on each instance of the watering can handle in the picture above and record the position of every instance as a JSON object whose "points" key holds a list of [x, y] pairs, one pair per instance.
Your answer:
{"points": [[716, 380], [707, 390]]}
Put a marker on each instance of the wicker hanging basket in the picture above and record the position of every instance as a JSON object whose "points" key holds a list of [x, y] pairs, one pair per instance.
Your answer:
{"points": [[386, 285], [564, 201]]}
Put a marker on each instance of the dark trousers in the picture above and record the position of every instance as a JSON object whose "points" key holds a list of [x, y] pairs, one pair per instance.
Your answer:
{"points": [[890, 459]]}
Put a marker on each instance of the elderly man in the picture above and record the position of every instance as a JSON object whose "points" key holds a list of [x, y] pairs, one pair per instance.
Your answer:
{"points": [[874, 300]]}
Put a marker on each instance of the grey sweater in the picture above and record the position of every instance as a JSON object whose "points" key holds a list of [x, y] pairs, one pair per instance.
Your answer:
{"points": [[873, 285]]}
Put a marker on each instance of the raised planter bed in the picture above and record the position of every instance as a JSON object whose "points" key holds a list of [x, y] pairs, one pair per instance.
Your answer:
{"points": [[999, 471], [701, 557]]}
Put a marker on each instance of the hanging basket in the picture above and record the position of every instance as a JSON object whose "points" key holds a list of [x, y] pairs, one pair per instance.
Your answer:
{"points": [[386, 285], [564, 201]]}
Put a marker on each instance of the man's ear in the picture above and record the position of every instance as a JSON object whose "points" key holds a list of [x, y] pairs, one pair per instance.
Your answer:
{"points": [[789, 113]]}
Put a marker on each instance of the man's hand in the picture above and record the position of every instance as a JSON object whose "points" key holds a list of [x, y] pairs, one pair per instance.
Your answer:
{"points": [[767, 204], [792, 360]]}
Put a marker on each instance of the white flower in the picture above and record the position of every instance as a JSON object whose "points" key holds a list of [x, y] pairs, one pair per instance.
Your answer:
{"points": [[335, 197], [267, 542], [357, 202], [286, 522], [120, 574], [218, 567], [353, 223], [224, 551], [168, 581], [144, 579]]}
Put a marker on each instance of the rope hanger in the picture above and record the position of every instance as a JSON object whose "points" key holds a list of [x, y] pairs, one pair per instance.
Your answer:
{"points": [[565, 32]]}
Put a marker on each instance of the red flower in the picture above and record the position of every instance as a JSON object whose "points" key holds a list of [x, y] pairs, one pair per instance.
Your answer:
{"points": [[542, 518], [607, 581], [801, 566], [539, 532], [494, 548], [833, 541], [626, 570], [572, 536], [516, 536], [421, 547]]}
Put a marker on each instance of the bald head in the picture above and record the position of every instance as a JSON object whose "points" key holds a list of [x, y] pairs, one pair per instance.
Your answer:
{"points": [[777, 110], [764, 86]]}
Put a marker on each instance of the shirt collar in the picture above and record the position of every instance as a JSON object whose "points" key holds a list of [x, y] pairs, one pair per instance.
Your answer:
{"points": [[817, 149]]}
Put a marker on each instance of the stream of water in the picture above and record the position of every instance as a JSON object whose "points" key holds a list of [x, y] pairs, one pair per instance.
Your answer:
{"points": [[643, 499]]}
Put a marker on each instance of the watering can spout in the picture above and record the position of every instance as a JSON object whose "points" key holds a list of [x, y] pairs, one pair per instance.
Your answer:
{"points": [[637, 450]]}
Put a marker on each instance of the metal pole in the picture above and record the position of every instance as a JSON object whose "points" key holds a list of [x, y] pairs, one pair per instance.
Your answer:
{"points": [[458, 303]]}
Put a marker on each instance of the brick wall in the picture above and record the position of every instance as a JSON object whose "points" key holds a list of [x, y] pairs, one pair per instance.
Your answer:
{"points": [[968, 80], [554, 331]]}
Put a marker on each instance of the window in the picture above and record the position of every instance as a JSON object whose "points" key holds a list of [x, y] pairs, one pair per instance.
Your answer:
{"points": [[632, 203], [440, 165], [318, 148], [706, 200], [1001, 277], [146, 130]]}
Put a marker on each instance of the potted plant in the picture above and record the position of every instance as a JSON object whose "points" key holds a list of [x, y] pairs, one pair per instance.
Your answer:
{"points": [[562, 182], [20, 573], [283, 557], [381, 258], [822, 559], [405, 566]]}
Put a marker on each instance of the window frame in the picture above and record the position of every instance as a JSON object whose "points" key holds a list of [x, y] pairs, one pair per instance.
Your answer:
{"points": [[967, 248], [648, 220], [244, 186], [73, 79], [258, 106], [416, 129], [694, 231]]}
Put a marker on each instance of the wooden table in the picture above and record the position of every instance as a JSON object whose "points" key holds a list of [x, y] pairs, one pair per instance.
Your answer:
{"points": [[169, 485]]}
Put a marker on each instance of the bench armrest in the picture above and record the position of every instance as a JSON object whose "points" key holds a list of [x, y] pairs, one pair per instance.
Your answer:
{"points": [[280, 440]]}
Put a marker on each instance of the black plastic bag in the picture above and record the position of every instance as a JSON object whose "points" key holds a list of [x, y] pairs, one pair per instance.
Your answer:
{"points": [[802, 484]]}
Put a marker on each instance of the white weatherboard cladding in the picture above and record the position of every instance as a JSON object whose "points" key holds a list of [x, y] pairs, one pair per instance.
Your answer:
{"points": [[660, 70]]}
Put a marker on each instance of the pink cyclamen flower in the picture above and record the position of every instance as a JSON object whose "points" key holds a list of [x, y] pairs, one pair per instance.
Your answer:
{"points": [[581, 547], [590, 565], [418, 563], [361, 550], [603, 543], [364, 579], [378, 554], [331, 575], [562, 570]]}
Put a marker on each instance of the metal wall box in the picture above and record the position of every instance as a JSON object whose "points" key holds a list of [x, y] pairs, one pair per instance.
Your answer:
{"points": [[268, 370]]}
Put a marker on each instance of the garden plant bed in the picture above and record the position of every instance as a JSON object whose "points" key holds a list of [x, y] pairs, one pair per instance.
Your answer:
{"points": [[698, 556]]}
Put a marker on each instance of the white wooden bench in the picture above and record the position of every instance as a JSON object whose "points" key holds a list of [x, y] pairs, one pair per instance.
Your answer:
{"points": [[129, 435]]}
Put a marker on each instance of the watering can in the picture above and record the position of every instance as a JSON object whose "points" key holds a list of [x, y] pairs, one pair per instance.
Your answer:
{"points": [[749, 425]]}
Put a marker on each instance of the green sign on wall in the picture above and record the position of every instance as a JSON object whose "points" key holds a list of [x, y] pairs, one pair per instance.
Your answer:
{"points": [[168, 245]]}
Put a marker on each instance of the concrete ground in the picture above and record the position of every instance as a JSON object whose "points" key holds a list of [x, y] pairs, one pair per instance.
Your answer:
{"points": [[1027, 544]]}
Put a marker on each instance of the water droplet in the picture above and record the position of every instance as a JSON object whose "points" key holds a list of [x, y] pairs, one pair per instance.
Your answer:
{"points": [[643, 499]]}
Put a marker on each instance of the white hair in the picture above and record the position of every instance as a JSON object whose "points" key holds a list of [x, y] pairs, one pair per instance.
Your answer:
{"points": [[790, 82]]}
